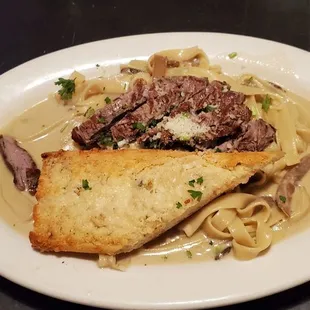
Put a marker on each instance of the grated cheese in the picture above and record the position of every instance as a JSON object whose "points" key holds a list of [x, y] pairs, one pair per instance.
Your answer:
{"points": [[181, 126]]}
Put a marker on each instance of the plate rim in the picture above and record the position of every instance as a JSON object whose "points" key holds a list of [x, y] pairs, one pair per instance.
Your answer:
{"points": [[155, 34]]}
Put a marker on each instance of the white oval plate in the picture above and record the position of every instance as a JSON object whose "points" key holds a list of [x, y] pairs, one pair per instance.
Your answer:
{"points": [[186, 286]]}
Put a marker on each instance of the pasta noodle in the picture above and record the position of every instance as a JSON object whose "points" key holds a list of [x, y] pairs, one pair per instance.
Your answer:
{"points": [[243, 218], [184, 56]]}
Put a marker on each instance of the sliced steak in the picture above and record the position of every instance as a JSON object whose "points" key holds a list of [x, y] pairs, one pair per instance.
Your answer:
{"points": [[18, 160], [88, 132], [211, 97], [212, 113], [178, 110], [224, 111], [255, 136], [164, 94], [220, 110], [288, 183]]}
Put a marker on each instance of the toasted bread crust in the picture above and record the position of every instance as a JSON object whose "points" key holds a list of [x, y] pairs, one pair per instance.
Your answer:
{"points": [[133, 195]]}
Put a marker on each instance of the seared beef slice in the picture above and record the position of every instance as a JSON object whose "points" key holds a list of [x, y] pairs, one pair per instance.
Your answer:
{"points": [[19, 161], [208, 113]]}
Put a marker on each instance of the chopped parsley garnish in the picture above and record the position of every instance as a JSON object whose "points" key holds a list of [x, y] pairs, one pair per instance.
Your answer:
{"points": [[106, 140], [179, 205], [195, 194], [282, 198], [107, 100], [97, 65], [191, 183], [101, 120], [209, 108], [85, 184], [154, 144], [217, 150], [64, 128], [249, 80], [266, 103], [185, 138], [139, 126], [153, 123], [67, 88], [254, 111], [165, 257], [199, 180], [185, 114], [232, 55], [189, 254], [218, 249], [89, 113]]}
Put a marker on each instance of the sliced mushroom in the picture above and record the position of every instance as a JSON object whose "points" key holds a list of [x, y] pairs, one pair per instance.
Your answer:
{"points": [[160, 66], [223, 252], [173, 64]]}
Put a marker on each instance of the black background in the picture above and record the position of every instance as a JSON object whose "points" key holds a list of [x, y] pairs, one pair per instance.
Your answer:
{"points": [[29, 29]]}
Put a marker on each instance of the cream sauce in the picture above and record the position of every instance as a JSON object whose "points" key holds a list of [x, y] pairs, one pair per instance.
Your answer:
{"points": [[38, 131], [175, 247], [47, 127]]}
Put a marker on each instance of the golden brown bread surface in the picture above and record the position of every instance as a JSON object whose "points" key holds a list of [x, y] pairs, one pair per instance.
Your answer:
{"points": [[133, 195]]}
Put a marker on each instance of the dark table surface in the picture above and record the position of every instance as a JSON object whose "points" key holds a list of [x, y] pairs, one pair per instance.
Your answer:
{"points": [[29, 29]]}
